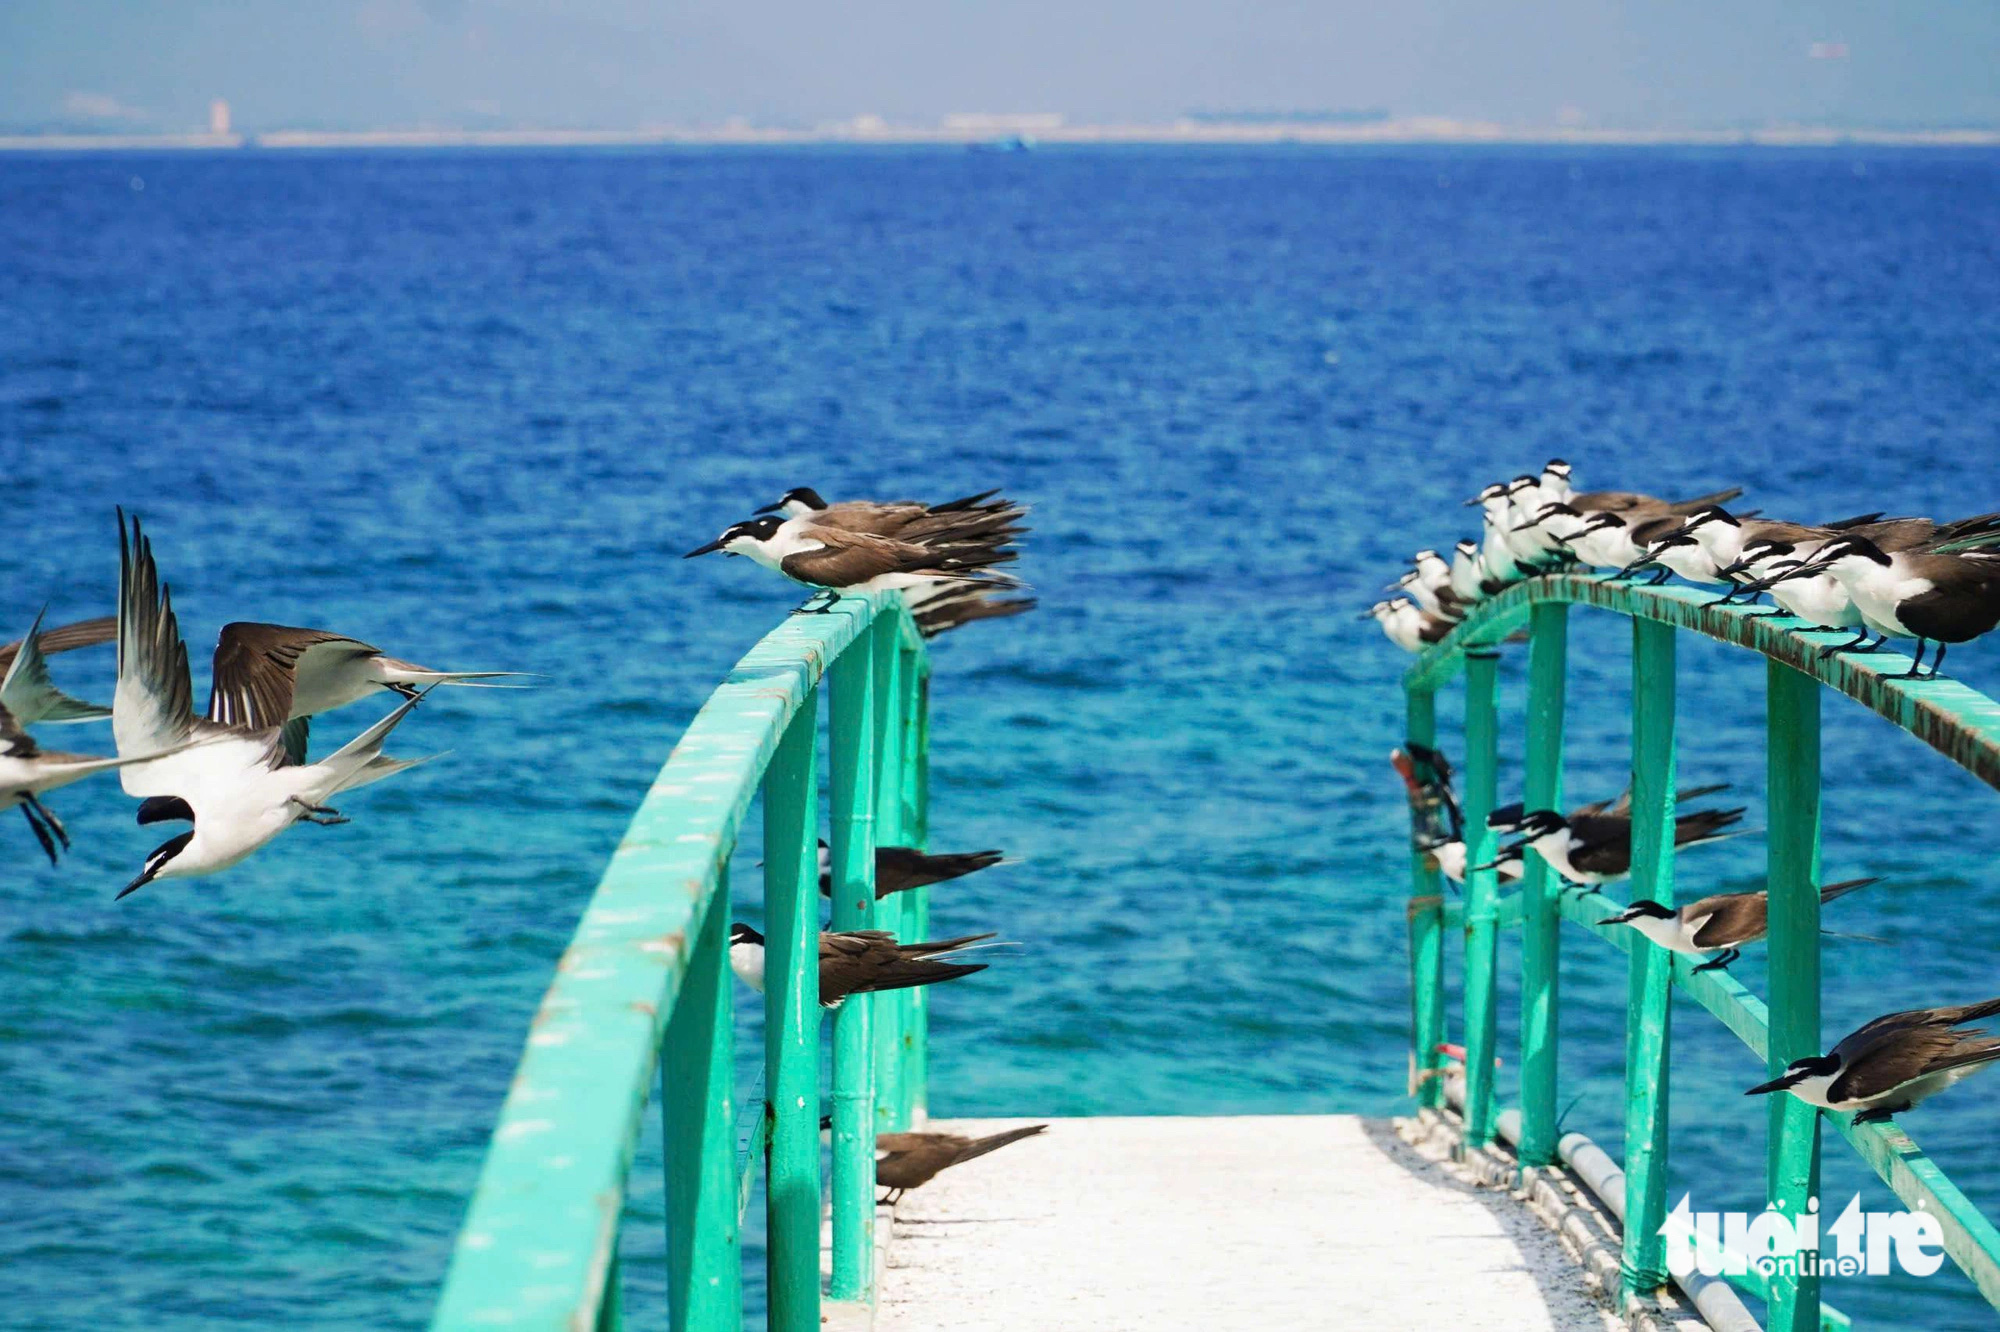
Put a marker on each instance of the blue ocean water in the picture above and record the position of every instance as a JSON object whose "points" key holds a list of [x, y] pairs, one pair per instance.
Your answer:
{"points": [[472, 407]]}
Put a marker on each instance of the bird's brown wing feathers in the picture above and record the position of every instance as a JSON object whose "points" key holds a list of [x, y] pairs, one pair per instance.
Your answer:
{"points": [[847, 558], [1733, 918], [256, 668], [64, 637], [1885, 1067]]}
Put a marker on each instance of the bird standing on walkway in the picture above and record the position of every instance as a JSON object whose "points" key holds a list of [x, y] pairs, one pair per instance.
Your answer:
{"points": [[1715, 927], [905, 1161], [860, 961], [1893, 1063], [236, 782]]}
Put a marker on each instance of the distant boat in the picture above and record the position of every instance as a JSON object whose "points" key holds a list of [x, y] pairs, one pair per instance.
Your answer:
{"points": [[1011, 143]]}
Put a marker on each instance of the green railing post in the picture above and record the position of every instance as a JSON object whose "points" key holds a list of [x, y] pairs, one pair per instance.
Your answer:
{"points": [[1548, 654], [1482, 908], [917, 912], [1647, 1027], [852, 780], [1426, 912], [1793, 789], [891, 913], [791, 1023], [697, 1103]]}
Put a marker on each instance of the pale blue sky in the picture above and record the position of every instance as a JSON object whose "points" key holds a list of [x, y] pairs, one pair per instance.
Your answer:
{"points": [[357, 64]]}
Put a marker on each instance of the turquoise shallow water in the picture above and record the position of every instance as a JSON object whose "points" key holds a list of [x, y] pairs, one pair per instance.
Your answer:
{"points": [[473, 407]]}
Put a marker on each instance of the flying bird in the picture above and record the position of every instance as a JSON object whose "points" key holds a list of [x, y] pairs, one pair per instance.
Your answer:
{"points": [[1892, 1063], [26, 770], [860, 961], [240, 785], [263, 671]]}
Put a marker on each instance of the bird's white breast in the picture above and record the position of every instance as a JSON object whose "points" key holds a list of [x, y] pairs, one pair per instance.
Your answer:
{"points": [[747, 961]]}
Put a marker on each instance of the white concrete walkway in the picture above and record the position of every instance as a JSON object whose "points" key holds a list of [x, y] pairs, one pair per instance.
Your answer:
{"points": [[1274, 1223]]}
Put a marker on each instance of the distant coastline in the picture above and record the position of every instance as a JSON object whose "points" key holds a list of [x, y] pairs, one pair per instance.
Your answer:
{"points": [[1412, 131]]}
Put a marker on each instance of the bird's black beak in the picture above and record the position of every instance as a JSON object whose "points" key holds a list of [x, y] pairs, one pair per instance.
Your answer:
{"points": [[1774, 1085], [135, 885], [1366, 615], [1532, 522], [1474, 502], [703, 550], [772, 507], [1618, 919]]}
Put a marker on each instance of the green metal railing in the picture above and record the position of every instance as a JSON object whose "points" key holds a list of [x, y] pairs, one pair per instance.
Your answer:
{"points": [[645, 984], [1956, 721]]}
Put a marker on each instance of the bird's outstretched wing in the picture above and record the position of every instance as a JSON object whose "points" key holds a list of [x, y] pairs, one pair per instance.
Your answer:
{"points": [[257, 667], [28, 693], [152, 709]]}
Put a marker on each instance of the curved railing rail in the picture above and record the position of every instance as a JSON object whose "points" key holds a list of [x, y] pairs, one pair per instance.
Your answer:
{"points": [[645, 985], [1958, 722]]}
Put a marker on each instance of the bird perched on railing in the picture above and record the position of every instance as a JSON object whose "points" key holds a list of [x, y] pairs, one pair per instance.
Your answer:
{"points": [[1407, 627], [901, 868], [971, 521], [1429, 583], [1506, 819], [1596, 847], [1449, 856], [910, 520], [860, 961], [238, 782], [835, 561], [1438, 825], [1893, 1063], [1467, 574], [1943, 592], [1715, 927], [1800, 586], [905, 1161]]}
